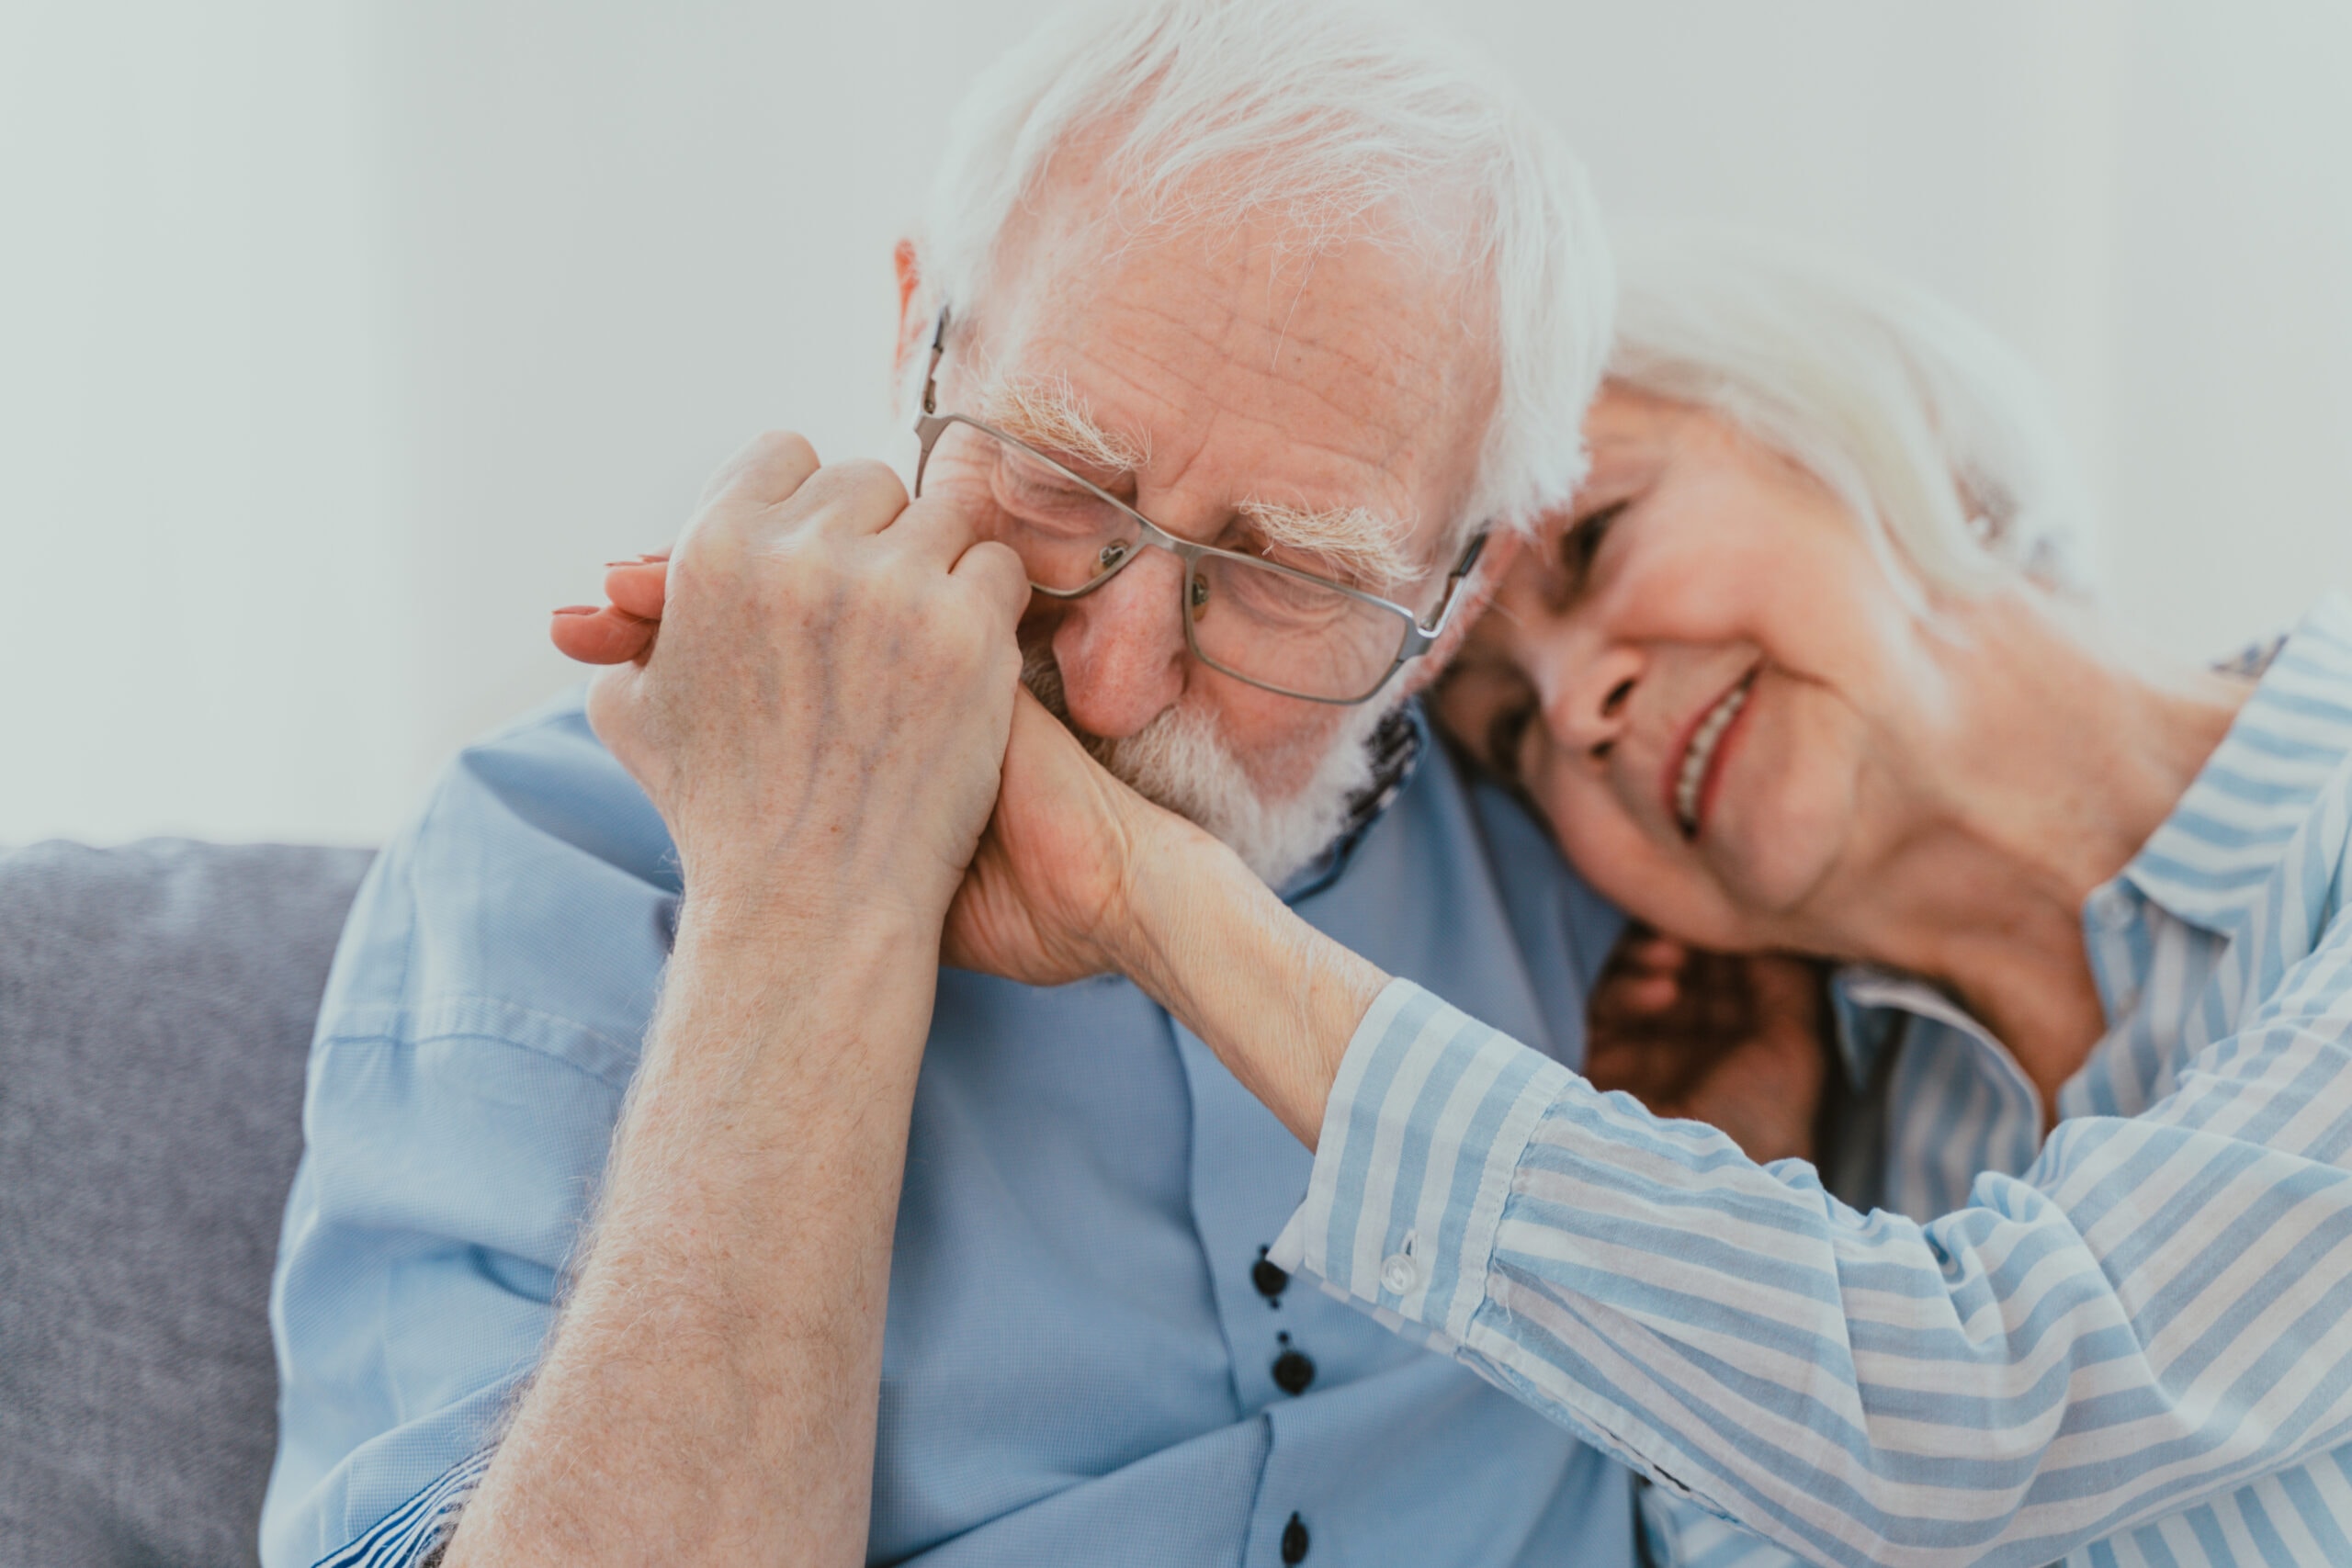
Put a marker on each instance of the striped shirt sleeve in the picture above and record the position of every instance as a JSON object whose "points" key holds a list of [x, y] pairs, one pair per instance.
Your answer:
{"points": [[2159, 1311]]}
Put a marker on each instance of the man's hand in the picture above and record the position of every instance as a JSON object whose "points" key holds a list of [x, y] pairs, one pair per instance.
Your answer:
{"points": [[1736, 1041], [1045, 899], [824, 715], [823, 723]]}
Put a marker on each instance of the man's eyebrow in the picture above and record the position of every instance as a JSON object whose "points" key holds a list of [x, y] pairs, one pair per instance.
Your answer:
{"points": [[1045, 413], [1355, 542], [1352, 542]]}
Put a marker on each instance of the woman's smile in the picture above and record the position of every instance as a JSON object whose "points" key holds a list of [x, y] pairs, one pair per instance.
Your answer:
{"points": [[1695, 769]]}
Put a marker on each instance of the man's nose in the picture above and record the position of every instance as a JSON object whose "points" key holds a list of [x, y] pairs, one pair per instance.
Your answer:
{"points": [[1121, 650]]}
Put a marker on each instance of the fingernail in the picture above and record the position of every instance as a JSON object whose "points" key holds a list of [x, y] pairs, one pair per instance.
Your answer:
{"points": [[638, 561], [579, 609]]}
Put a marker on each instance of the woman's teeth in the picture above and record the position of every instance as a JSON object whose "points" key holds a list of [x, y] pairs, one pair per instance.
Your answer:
{"points": [[1703, 750]]}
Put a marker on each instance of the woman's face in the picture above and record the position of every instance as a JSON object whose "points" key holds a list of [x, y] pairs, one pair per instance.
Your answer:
{"points": [[1704, 678]]}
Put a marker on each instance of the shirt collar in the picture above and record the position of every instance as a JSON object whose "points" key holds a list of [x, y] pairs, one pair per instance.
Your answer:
{"points": [[1867, 1005], [1397, 748], [2209, 861]]}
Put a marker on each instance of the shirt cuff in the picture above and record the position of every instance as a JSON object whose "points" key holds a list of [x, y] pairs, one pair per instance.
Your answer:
{"points": [[1421, 1136], [413, 1534]]}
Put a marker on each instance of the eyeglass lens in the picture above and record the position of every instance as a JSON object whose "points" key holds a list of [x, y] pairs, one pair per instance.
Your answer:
{"points": [[1262, 623]]}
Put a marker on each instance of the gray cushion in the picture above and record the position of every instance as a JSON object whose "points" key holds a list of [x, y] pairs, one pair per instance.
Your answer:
{"points": [[155, 1011]]}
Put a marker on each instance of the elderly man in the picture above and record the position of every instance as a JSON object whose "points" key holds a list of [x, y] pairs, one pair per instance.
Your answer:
{"points": [[639, 1088]]}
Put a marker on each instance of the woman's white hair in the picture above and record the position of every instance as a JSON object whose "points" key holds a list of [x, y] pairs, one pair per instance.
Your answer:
{"points": [[1934, 433], [1353, 119]]}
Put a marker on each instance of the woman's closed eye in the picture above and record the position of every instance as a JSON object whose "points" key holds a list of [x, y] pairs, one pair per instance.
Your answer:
{"points": [[1580, 543]]}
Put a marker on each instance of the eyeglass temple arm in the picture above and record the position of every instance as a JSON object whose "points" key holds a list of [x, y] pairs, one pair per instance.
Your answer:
{"points": [[930, 371], [1461, 569]]}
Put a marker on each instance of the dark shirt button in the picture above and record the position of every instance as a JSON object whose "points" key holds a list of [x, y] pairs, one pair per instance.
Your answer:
{"points": [[1293, 1372], [1268, 1278], [1294, 1541]]}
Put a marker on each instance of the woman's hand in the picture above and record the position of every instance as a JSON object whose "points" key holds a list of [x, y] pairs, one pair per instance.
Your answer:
{"points": [[1735, 1042], [623, 631], [1050, 895]]}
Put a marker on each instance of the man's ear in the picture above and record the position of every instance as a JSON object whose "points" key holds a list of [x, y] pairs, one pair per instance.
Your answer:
{"points": [[1502, 551], [913, 318]]}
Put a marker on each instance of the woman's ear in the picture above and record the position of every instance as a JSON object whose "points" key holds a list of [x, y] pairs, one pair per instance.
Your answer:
{"points": [[912, 322]]}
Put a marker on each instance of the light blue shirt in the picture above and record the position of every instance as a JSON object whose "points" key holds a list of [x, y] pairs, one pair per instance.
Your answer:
{"points": [[1079, 1365], [2130, 1343]]}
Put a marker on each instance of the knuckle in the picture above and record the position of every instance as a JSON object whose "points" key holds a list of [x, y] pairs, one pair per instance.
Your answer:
{"points": [[783, 447], [767, 467], [857, 486], [870, 479]]}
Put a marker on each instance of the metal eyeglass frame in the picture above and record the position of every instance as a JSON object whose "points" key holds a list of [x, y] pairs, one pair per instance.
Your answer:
{"points": [[1415, 640]]}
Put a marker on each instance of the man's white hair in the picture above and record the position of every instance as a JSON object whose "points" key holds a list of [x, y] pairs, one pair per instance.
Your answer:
{"points": [[1934, 433], [1354, 119]]}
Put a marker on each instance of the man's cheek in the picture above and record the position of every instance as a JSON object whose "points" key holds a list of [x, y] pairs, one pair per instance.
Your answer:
{"points": [[1279, 741]]}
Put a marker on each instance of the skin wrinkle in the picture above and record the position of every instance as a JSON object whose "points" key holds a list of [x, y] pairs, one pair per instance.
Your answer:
{"points": [[1360, 373], [1273, 271]]}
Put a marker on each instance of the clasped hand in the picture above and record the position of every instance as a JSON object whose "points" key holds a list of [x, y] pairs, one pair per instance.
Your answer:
{"points": [[820, 690]]}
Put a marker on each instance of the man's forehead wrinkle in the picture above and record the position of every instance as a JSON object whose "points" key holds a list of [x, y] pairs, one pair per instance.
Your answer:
{"points": [[1314, 393], [1335, 388], [1313, 347]]}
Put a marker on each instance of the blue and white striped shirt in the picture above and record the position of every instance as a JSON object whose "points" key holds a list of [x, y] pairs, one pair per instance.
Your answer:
{"points": [[2127, 1343]]}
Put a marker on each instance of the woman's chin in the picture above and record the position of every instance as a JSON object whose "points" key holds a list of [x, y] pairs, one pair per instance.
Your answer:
{"points": [[1770, 866]]}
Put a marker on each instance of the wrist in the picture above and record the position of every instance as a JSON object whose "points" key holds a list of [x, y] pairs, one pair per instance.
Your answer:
{"points": [[1183, 884], [771, 990], [1276, 999], [769, 923]]}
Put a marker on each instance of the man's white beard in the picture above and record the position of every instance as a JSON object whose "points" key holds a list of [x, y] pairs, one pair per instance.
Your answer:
{"points": [[1179, 760]]}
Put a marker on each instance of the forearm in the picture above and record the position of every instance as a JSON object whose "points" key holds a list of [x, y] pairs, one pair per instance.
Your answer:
{"points": [[708, 1392], [1738, 1334], [1275, 998]]}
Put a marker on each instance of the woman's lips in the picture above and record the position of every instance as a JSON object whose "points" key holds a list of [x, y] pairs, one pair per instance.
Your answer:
{"points": [[1691, 778]]}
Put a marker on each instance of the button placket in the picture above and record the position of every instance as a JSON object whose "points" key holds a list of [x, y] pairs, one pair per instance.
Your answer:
{"points": [[1268, 1278], [1294, 1369]]}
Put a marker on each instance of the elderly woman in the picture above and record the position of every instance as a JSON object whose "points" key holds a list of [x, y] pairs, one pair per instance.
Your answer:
{"points": [[1807, 672]]}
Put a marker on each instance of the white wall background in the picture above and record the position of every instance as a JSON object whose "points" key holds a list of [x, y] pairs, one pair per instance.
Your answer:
{"points": [[340, 339]]}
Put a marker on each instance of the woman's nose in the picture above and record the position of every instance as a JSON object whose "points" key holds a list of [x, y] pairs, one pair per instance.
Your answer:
{"points": [[1121, 648], [1589, 705]]}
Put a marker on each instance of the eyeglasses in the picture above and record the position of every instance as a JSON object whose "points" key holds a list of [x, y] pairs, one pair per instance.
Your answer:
{"points": [[1269, 626]]}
